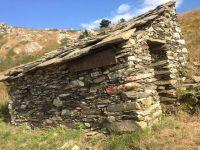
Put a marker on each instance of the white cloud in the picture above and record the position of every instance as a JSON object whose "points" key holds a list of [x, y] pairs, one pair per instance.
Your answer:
{"points": [[126, 16], [155, 2], [179, 3], [144, 9], [123, 8], [151, 4], [125, 11], [92, 25], [159, 2]]}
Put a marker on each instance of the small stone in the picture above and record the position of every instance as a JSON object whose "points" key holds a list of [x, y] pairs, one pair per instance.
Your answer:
{"points": [[111, 119], [96, 74], [65, 112], [57, 102], [113, 76], [141, 124], [137, 95], [81, 78], [184, 50], [122, 126], [77, 83], [87, 125], [76, 147], [132, 58], [132, 41], [178, 29], [196, 79], [64, 95], [23, 106], [67, 144], [147, 102], [181, 42], [94, 89], [100, 79], [177, 35]]}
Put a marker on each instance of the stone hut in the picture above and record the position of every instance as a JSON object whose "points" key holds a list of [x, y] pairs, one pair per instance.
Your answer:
{"points": [[115, 80]]}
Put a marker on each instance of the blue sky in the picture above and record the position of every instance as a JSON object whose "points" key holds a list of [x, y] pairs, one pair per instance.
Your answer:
{"points": [[77, 14]]}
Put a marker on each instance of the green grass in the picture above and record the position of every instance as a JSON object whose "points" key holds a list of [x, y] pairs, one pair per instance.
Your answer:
{"points": [[25, 139], [190, 28], [127, 141], [136, 139], [4, 114], [53, 138], [13, 60], [2, 41]]}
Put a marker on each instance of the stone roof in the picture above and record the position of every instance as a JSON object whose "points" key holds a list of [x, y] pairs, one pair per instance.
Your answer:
{"points": [[116, 34]]}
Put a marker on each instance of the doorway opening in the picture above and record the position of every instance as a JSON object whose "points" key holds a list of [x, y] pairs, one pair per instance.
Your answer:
{"points": [[162, 73]]}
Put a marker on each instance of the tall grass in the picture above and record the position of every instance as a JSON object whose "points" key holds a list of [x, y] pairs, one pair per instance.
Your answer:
{"points": [[2, 41], [24, 138], [190, 28], [4, 114]]}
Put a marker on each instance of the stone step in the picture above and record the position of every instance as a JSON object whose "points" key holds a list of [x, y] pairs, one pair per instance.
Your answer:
{"points": [[168, 99], [160, 63], [191, 85], [164, 83], [162, 72], [171, 92], [167, 95]]}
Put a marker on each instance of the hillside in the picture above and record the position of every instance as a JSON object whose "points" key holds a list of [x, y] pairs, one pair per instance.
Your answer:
{"points": [[190, 24], [21, 45]]}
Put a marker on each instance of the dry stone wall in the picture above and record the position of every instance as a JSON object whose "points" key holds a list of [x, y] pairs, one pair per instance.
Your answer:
{"points": [[101, 97], [170, 74], [124, 96]]}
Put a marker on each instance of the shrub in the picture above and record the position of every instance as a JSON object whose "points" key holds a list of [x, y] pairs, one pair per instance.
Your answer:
{"points": [[105, 23], [122, 20], [4, 113]]}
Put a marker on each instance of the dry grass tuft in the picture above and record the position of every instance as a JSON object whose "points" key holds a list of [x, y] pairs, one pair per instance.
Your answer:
{"points": [[4, 113], [190, 25]]}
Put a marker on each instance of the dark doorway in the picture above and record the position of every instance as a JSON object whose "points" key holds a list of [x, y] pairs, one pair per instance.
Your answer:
{"points": [[162, 72]]}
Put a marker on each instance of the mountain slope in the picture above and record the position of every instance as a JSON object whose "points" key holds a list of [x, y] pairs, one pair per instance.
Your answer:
{"points": [[20, 45], [190, 24]]}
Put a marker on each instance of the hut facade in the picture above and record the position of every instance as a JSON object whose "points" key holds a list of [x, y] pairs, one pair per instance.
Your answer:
{"points": [[116, 80]]}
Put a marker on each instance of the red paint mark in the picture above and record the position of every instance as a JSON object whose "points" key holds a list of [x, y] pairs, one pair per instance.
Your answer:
{"points": [[115, 89], [132, 78], [112, 90]]}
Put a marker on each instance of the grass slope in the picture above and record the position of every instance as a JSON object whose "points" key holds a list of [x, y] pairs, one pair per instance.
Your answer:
{"points": [[12, 59], [190, 25]]}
